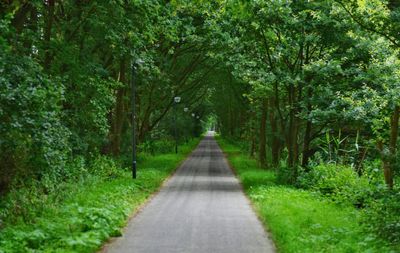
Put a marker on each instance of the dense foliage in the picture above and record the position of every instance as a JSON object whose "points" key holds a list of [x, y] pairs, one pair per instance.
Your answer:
{"points": [[302, 220], [316, 85], [311, 88], [65, 81], [85, 212]]}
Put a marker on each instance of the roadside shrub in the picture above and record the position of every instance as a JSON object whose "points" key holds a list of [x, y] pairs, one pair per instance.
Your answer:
{"points": [[162, 146], [382, 217], [104, 167], [34, 142], [285, 175], [88, 99], [28, 200], [340, 182], [75, 169]]}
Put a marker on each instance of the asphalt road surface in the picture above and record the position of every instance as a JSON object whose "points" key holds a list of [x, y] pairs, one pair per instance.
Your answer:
{"points": [[201, 209]]}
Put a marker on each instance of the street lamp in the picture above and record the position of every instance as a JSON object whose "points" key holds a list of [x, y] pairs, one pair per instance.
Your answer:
{"points": [[133, 90], [185, 130], [176, 101]]}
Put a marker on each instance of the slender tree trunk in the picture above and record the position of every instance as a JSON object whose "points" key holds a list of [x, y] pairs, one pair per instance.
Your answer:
{"points": [[275, 148], [295, 142], [47, 33], [21, 16], [252, 145], [252, 136], [263, 130], [144, 129], [394, 130], [307, 134], [291, 128], [306, 145], [296, 149], [32, 25], [388, 158], [394, 134], [118, 118], [359, 164]]}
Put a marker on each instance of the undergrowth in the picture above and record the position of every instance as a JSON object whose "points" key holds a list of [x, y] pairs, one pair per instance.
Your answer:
{"points": [[87, 212], [301, 220]]}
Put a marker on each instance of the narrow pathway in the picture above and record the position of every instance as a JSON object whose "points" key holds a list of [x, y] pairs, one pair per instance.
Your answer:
{"points": [[200, 209]]}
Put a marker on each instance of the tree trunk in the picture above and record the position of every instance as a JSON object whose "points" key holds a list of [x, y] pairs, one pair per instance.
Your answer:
{"points": [[290, 131], [359, 163], [47, 33], [296, 126], [394, 130], [21, 16], [263, 130], [252, 145], [144, 129], [394, 134], [306, 145], [307, 134], [388, 158], [275, 148], [252, 136], [118, 118]]}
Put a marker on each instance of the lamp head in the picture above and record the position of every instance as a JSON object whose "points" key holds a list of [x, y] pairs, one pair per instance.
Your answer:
{"points": [[177, 99]]}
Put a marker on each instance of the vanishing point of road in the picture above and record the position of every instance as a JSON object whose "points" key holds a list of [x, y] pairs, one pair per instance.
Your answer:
{"points": [[200, 209]]}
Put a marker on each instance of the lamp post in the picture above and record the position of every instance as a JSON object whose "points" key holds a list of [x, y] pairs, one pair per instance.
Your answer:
{"points": [[176, 101], [186, 132], [133, 90]]}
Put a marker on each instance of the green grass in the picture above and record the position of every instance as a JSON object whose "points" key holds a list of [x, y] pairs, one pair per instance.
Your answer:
{"points": [[299, 220], [91, 212]]}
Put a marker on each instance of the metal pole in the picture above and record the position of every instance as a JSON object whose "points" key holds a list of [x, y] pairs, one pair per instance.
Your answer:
{"points": [[176, 129], [133, 88]]}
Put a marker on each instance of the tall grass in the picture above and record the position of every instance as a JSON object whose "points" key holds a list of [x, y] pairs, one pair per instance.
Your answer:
{"points": [[300, 220], [90, 211]]}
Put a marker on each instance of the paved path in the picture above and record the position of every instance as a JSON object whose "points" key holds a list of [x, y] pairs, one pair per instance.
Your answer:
{"points": [[200, 209]]}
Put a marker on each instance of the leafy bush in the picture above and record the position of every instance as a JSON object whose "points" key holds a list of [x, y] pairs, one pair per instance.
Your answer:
{"points": [[88, 102], [105, 167], [34, 142], [83, 212], [340, 182], [382, 217], [285, 174], [30, 200], [300, 220], [161, 146]]}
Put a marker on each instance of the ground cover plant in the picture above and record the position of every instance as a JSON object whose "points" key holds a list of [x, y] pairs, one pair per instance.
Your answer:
{"points": [[302, 220], [89, 212]]}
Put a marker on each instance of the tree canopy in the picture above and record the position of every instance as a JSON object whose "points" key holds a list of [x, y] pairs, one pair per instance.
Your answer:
{"points": [[299, 83]]}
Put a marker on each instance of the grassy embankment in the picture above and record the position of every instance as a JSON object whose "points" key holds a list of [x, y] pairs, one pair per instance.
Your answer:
{"points": [[90, 211], [299, 220]]}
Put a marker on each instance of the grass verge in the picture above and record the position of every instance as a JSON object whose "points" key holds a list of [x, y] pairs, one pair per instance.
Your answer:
{"points": [[91, 211], [299, 220]]}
